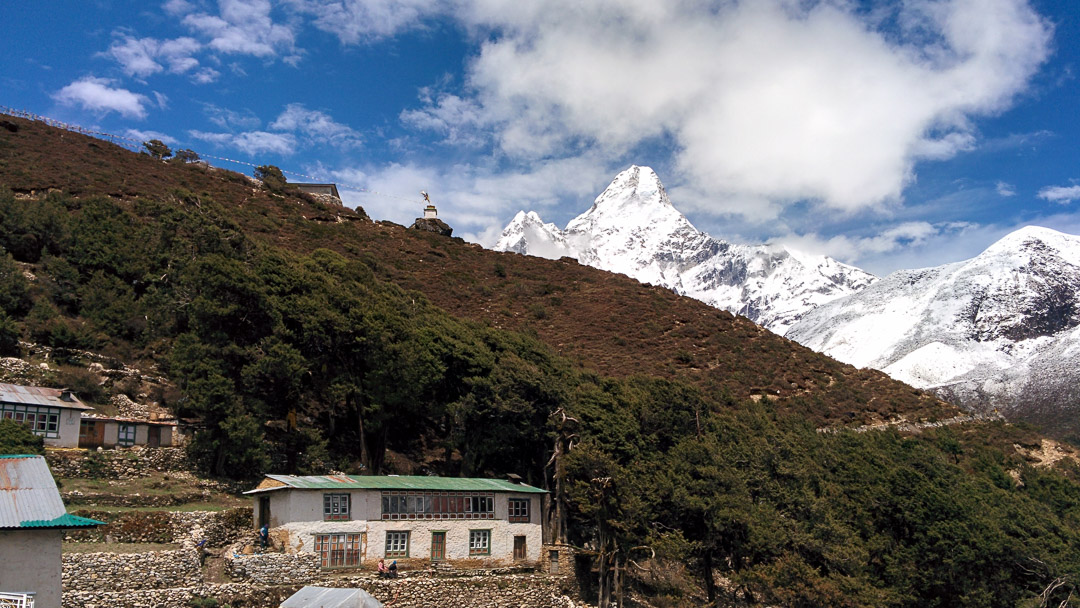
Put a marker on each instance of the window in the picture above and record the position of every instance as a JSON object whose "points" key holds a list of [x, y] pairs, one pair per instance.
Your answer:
{"points": [[126, 435], [479, 542], [339, 550], [335, 506], [438, 505], [44, 421], [518, 510], [397, 544]]}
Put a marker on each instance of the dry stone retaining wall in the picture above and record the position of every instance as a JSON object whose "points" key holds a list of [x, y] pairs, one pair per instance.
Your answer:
{"points": [[237, 595], [274, 568], [131, 571], [218, 528], [123, 463], [486, 592]]}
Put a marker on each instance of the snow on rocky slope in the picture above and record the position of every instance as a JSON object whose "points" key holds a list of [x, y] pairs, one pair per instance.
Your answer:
{"points": [[633, 229], [999, 330]]}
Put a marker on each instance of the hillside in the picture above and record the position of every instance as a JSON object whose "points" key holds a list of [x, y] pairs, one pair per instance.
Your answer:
{"points": [[683, 447], [609, 323]]}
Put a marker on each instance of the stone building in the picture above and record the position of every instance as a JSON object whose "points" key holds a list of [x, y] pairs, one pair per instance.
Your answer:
{"points": [[353, 520], [32, 524], [52, 413]]}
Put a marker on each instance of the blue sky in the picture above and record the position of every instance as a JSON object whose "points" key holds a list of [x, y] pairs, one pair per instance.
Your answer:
{"points": [[886, 134]]}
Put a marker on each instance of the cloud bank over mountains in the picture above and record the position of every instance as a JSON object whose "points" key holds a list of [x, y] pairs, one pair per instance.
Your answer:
{"points": [[754, 108]]}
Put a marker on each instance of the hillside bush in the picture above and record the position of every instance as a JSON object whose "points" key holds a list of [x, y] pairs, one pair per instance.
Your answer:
{"points": [[17, 438]]}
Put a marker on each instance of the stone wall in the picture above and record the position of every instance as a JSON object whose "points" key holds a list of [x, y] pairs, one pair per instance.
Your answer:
{"points": [[488, 592], [236, 595], [131, 571], [516, 591], [218, 528], [274, 568], [122, 463]]}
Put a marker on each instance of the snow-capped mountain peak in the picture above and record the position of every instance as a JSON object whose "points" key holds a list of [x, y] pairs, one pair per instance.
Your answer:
{"points": [[633, 228], [1002, 328]]}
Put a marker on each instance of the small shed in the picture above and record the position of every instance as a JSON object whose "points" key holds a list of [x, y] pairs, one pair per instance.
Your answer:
{"points": [[100, 431], [329, 597], [32, 524]]}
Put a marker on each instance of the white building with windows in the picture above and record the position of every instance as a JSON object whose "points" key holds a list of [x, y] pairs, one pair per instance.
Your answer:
{"points": [[355, 520], [52, 413], [32, 524]]}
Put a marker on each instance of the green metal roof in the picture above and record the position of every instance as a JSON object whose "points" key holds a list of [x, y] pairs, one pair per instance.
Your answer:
{"points": [[66, 520], [396, 482]]}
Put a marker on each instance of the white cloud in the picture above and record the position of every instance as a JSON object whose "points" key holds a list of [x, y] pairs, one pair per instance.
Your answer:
{"points": [[252, 143], [1063, 195], [96, 95], [231, 119], [243, 27], [354, 21], [142, 57], [317, 126], [773, 100], [1005, 189], [148, 135], [475, 200]]}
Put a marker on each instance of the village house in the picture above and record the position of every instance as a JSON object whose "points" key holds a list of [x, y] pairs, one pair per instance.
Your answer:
{"points": [[32, 524], [354, 520], [52, 413], [102, 432]]}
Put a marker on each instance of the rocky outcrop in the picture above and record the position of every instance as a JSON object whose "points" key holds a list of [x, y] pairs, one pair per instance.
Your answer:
{"points": [[432, 224]]}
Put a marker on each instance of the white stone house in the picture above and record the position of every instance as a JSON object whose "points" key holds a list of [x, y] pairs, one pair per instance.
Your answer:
{"points": [[52, 413], [355, 520], [32, 524]]}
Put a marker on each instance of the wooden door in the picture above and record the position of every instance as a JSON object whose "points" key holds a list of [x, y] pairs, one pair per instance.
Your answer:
{"points": [[153, 437], [438, 546], [519, 548], [91, 434]]}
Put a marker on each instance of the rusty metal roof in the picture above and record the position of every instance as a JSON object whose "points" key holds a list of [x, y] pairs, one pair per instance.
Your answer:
{"points": [[39, 395], [393, 482], [29, 498]]}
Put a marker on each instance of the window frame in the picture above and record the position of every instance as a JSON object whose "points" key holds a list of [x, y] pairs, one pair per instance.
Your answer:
{"points": [[332, 509], [344, 548], [474, 536], [514, 515], [420, 504], [43, 421], [122, 430], [397, 535]]}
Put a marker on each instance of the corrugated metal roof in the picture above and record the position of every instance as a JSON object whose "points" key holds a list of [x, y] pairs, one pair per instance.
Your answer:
{"points": [[29, 498], [395, 482], [39, 395], [329, 597]]}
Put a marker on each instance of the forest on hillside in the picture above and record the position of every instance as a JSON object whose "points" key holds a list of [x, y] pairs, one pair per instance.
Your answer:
{"points": [[677, 492], [307, 363]]}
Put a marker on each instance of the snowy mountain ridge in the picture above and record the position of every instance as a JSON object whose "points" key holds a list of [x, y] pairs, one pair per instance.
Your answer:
{"points": [[1001, 329], [633, 229]]}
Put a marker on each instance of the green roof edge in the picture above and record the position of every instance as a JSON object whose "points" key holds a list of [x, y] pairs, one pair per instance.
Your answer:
{"points": [[66, 520]]}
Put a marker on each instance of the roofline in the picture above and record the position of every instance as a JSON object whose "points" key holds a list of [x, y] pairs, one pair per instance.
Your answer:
{"points": [[286, 480]]}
